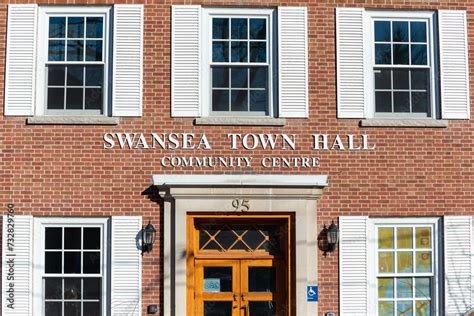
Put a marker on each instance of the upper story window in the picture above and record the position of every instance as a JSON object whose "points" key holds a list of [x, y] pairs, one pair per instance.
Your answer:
{"points": [[402, 67]]}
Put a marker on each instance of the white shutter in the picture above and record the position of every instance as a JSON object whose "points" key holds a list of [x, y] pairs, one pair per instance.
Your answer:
{"points": [[21, 59], [353, 264], [454, 64], [292, 62], [350, 62], [128, 60], [186, 61], [20, 251], [457, 264], [126, 265]]}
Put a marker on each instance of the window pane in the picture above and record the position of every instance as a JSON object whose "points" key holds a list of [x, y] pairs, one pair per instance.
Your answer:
{"points": [[401, 79], [382, 31], [238, 29], [404, 288], [75, 77], [91, 309], [55, 98], [401, 102], [258, 77], [74, 99], [72, 288], [383, 78], [94, 27], [238, 77], [72, 262], [53, 288], [57, 27], [423, 261], [418, 31], [56, 50], [383, 54], [420, 102], [386, 238], [423, 308], [72, 238], [400, 54], [400, 31], [419, 79], [75, 27], [214, 308], [404, 237], [56, 75], [217, 279], [91, 262], [419, 54], [404, 262], [91, 288], [386, 309], [405, 308], [258, 28], [262, 279], [220, 77], [220, 51], [383, 102], [386, 261], [93, 101], [220, 28], [75, 50], [220, 100], [94, 75], [258, 101], [258, 52], [72, 308], [238, 100], [423, 237], [53, 308], [91, 238], [238, 52], [262, 308], [385, 288], [93, 50], [53, 238], [423, 287], [52, 262]]}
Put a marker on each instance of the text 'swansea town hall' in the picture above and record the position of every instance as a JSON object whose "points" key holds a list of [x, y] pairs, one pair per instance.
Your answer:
{"points": [[224, 158]]}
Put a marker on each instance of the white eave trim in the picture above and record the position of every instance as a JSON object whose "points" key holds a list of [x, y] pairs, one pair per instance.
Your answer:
{"points": [[241, 180]]}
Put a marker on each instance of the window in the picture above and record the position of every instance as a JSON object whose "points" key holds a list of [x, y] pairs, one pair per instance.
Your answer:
{"points": [[406, 264], [73, 52], [239, 62], [73, 276], [402, 65]]}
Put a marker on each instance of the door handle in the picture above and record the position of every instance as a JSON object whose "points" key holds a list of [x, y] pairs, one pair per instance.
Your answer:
{"points": [[235, 301], [244, 307]]}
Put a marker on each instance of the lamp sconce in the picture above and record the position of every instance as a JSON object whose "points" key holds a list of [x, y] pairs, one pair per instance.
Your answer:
{"points": [[332, 236], [148, 237]]}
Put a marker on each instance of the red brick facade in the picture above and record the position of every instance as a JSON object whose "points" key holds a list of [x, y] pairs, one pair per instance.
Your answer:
{"points": [[61, 170]]}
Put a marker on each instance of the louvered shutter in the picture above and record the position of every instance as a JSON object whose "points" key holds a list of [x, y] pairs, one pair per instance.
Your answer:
{"points": [[127, 60], [186, 61], [21, 59], [350, 62], [126, 265], [454, 64], [458, 264], [21, 254], [292, 62], [353, 264]]}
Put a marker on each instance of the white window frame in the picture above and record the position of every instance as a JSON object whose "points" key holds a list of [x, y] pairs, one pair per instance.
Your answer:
{"points": [[206, 57], [40, 223], [372, 260], [369, 60], [42, 57]]}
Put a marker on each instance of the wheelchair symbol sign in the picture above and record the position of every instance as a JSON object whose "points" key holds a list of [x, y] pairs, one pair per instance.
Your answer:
{"points": [[312, 293]]}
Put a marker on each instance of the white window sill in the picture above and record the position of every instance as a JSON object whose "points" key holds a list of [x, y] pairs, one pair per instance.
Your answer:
{"points": [[375, 122], [72, 120], [240, 121]]}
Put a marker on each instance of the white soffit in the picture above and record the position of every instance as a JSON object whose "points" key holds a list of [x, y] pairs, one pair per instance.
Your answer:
{"points": [[266, 180]]}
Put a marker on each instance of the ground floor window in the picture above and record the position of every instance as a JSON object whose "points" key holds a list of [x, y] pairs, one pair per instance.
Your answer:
{"points": [[406, 267]]}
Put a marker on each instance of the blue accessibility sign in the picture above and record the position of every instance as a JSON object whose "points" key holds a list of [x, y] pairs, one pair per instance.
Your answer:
{"points": [[312, 293]]}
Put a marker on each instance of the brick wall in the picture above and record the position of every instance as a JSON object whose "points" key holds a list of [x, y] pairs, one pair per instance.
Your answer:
{"points": [[64, 170]]}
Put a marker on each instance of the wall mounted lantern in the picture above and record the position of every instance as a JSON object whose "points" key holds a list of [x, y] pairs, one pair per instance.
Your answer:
{"points": [[332, 237], [148, 237]]}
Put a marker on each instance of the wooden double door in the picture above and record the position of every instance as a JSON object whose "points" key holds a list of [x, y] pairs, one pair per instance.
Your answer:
{"points": [[245, 287]]}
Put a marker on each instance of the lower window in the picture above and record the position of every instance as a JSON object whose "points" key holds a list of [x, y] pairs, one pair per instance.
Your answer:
{"points": [[406, 269]]}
